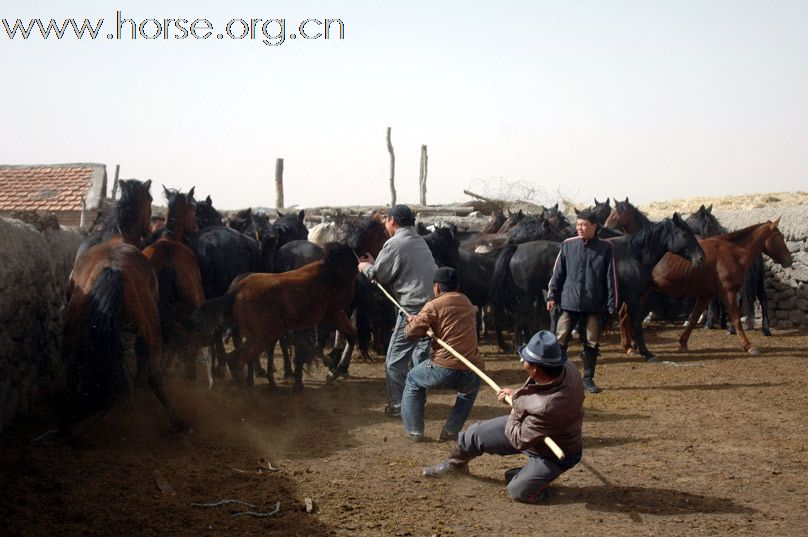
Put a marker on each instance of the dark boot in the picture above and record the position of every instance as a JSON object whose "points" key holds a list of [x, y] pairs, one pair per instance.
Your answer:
{"points": [[590, 359], [456, 464]]}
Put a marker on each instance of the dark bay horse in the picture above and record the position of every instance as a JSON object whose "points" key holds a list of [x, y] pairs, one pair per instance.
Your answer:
{"points": [[263, 307], [727, 258], [635, 257], [112, 289], [180, 280], [626, 218]]}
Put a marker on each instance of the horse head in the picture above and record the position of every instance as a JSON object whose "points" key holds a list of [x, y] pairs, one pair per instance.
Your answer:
{"points": [[682, 241], [626, 217], [340, 263], [703, 223], [206, 215], [181, 213], [775, 245], [290, 227], [133, 211]]}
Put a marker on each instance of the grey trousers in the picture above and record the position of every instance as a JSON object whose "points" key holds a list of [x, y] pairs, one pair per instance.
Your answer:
{"points": [[489, 437]]}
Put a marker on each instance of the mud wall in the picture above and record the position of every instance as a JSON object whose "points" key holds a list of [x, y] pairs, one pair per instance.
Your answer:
{"points": [[34, 266]]}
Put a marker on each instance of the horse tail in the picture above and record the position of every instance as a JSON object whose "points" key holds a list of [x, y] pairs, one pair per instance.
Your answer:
{"points": [[502, 296], [96, 374], [167, 282], [214, 313]]}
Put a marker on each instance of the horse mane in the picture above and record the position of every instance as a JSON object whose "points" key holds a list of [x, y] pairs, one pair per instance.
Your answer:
{"points": [[123, 211], [643, 238], [732, 235]]}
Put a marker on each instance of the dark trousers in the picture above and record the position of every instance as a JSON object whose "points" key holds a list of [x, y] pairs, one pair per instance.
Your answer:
{"points": [[489, 437]]}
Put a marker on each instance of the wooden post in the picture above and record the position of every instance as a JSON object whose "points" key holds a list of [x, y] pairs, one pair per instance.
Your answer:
{"points": [[115, 181], [392, 169], [83, 213], [422, 175], [279, 183]]}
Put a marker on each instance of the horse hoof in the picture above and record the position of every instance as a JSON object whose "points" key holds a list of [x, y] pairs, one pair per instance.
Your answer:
{"points": [[683, 348], [629, 351], [651, 359], [754, 351], [765, 332]]}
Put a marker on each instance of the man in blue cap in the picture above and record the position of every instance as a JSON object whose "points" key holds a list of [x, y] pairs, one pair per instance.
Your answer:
{"points": [[549, 403]]}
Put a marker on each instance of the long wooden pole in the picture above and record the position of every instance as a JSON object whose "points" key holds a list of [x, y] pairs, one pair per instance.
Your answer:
{"points": [[547, 440], [279, 183]]}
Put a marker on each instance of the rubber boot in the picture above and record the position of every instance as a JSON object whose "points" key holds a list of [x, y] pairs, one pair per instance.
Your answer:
{"points": [[590, 359]]}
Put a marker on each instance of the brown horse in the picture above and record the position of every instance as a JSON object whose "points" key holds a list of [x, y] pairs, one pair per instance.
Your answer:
{"points": [[263, 307], [112, 289], [180, 281], [727, 258]]}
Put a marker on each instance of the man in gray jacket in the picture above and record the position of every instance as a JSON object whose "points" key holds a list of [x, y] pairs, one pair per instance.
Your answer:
{"points": [[549, 403], [405, 268]]}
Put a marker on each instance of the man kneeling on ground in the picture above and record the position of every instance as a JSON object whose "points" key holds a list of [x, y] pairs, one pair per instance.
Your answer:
{"points": [[550, 403]]}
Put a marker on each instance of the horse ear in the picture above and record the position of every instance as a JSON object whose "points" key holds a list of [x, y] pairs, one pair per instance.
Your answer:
{"points": [[702, 208], [676, 217], [577, 212], [301, 215], [209, 201], [147, 184], [776, 222], [191, 192], [626, 199], [607, 202], [280, 214], [166, 192], [710, 209], [596, 201]]}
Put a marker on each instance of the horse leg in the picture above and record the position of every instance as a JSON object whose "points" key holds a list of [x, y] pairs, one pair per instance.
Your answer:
{"points": [[625, 329], [735, 318], [304, 352], [286, 350], [635, 314], [701, 303], [764, 307], [149, 349]]}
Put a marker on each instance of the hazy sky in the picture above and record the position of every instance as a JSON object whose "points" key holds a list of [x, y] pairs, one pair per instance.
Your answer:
{"points": [[651, 100]]}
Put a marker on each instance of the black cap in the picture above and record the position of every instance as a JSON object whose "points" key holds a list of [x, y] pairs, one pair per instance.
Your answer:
{"points": [[402, 214], [543, 349], [446, 275]]}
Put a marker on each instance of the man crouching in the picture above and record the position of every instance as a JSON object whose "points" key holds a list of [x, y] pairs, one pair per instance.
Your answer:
{"points": [[550, 403]]}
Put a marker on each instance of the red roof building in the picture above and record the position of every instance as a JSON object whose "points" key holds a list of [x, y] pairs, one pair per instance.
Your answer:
{"points": [[64, 189]]}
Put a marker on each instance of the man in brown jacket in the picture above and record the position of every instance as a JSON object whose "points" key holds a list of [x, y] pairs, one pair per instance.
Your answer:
{"points": [[550, 404], [452, 317]]}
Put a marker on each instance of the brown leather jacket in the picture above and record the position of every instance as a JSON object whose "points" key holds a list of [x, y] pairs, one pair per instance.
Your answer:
{"points": [[453, 318], [555, 410]]}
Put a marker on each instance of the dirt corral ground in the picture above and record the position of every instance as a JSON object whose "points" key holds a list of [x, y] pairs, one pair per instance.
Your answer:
{"points": [[713, 442]]}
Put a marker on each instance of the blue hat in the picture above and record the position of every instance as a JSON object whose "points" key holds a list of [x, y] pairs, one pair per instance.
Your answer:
{"points": [[543, 349]]}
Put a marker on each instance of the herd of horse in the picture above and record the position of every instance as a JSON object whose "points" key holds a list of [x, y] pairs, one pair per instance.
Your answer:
{"points": [[198, 279]]}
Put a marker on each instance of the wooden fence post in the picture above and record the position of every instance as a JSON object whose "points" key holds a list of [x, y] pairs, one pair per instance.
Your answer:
{"points": [[392, 169], [279, 183], [115, 181], [422, 175]]}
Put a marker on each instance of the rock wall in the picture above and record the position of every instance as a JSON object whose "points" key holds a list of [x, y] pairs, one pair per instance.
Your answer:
{"points": [[34, 269]]}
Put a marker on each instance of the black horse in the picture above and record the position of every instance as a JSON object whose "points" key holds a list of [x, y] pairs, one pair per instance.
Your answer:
{"points": [[636, 255], [522, 273]]}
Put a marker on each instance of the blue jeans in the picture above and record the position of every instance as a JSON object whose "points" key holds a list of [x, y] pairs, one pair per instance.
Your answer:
{"points": [[399, 354], [428, 375], [489, 437]]}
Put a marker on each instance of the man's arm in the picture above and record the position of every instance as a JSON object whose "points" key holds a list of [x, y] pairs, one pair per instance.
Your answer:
{"points": [[558, 278], [418, 325], [384, 267], [612, 283]]}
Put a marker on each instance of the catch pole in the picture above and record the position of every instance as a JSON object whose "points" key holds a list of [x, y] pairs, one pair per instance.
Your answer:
{"points": [[547, 440]]}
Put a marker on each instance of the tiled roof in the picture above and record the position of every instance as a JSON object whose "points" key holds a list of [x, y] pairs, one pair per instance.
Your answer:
{"points": [[57, 187]]}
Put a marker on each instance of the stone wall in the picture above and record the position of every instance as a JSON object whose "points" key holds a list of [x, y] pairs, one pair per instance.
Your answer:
{"points": [[34, 269]]}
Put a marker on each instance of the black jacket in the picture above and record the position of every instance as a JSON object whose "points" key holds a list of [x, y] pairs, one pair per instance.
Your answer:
{"points": [[584, 277]]}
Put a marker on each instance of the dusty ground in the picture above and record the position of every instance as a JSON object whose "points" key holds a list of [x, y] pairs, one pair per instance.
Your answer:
{"points": [[714, 443]]}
